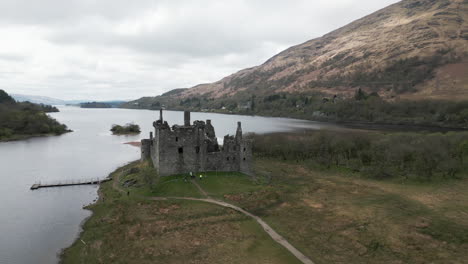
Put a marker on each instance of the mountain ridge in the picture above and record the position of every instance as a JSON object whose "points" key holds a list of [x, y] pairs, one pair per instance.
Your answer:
{"points": [[412, 50]]}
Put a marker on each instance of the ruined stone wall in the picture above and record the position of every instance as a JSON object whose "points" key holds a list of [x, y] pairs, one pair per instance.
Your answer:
{"points": [[155, 150], [145, 149], [245, 157], [234, 156], [231, 154], [181, 150]]}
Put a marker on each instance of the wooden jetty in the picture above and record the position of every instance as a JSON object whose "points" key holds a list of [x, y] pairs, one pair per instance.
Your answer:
{"points": [[70, 183]]}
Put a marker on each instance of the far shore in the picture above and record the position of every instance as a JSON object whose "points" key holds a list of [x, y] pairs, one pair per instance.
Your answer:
{"points": [[395, 126], [23, 137]]}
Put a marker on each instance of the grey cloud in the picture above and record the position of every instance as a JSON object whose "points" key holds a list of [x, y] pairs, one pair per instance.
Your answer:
{"points": [[214, 30], [56, 11], [122, 49]]}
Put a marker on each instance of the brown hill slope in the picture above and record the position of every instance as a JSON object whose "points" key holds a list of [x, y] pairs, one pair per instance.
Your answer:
{"points": [[413, 49]]}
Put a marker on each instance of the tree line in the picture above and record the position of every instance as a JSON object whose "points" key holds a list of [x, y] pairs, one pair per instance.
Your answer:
{"points": [[363, 107], [378, 155]]}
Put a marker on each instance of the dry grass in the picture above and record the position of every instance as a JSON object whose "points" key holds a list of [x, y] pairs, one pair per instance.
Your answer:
{"points": [[341, 218]]}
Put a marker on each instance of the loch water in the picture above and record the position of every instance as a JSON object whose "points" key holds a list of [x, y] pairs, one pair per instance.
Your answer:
{"points": [[36, 225]]}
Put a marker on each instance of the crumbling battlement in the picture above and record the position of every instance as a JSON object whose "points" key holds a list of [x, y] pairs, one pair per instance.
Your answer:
{"points": [[194, 148]]}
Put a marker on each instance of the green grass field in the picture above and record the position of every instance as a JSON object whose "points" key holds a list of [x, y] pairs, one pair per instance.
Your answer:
{"points": [[220, 184]]}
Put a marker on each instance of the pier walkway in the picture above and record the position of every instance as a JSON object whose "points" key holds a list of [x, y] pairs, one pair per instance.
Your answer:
{"points": [[68, 183]]}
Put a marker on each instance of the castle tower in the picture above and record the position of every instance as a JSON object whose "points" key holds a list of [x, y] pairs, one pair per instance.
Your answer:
{"points": [[186, 118], [238, 133]]}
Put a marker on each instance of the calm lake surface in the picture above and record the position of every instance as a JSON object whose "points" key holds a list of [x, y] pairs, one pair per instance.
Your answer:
{"points": [[36, 225]]}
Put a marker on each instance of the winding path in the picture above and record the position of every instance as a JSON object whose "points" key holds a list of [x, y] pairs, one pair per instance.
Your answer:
{"points": [[272, 233]]}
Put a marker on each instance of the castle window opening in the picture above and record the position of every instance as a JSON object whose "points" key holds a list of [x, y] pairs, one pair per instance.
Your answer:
{"points": [[227, 158], [176, 139], [244, 149], [181, 150], [243, 159], [197, 149]]}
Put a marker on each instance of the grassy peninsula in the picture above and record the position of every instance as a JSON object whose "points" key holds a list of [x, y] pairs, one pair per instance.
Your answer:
{"points": [[25, 119], [331, 195], [127, 226]]}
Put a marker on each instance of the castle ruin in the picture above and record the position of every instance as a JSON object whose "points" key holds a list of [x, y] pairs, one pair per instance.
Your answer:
{"points": [[194, 148]]}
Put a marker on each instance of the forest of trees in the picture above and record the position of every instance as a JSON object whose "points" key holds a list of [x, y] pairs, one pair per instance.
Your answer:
{"points": [[362, 108], [413, 156], [126, 129], [20, 120], [371, 108]]}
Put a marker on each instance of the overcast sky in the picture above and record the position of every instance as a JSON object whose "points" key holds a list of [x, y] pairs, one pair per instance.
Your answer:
{"points": [[116, 49]]}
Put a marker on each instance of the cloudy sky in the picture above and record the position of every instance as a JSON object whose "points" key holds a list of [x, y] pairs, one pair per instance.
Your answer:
{"points": [[116, 49]]}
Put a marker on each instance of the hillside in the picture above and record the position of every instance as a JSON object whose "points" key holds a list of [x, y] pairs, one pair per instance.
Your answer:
{"points": [[20, 120], [412, 50], [415, 38]]}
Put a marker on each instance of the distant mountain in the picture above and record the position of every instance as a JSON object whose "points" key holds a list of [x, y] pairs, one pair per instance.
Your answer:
{"points": [[38, 99], [54, 101], [415, 49]]}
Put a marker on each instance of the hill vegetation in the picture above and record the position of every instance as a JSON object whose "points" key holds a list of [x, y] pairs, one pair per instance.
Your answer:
{"points": [[25, 119]]}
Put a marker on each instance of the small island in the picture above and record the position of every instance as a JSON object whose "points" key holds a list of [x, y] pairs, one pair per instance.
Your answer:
{"points": [[129, 128], [20, 120]]}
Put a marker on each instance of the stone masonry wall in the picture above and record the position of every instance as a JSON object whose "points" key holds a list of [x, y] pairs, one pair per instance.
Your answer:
{"points": [[145, 149]]}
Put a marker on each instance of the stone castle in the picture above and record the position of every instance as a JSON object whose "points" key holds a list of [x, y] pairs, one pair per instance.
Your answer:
{"points": [[194, 148]]}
